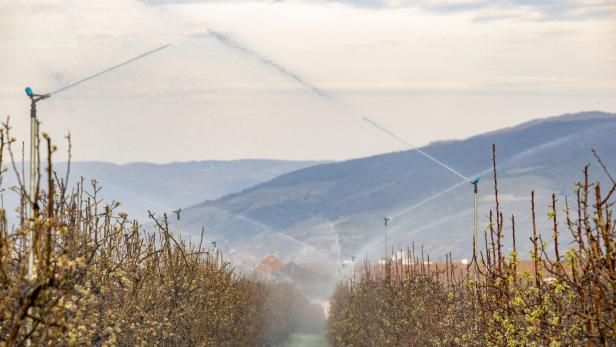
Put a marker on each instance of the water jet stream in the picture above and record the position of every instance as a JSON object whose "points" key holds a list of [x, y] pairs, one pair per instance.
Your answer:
{"points": [[229, 42], [109, 69]]}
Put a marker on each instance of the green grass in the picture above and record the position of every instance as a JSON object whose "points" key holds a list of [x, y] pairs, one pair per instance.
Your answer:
{"points": [[307, 340]]}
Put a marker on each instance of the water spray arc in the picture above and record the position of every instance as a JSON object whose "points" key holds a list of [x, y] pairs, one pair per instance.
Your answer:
{"points": [[141, 56], [232, 44], [475, 182], [229, 42]]}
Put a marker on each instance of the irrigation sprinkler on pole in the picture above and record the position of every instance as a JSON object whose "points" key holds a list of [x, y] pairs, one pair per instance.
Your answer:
{"points": [[475, 183], [178, 215], [34, 149], [34, 98]]}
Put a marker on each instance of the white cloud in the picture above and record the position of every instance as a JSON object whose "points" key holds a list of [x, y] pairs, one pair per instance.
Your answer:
{"points": [[484, 9]]}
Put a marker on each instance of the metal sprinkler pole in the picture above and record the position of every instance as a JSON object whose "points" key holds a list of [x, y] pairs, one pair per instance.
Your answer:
{"points": [[31, 274], [475, 183], [177, 233], [33, 140], [34, 98], [386, 219]]}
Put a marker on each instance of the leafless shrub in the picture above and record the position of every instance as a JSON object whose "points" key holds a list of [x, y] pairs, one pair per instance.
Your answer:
{"points": [[562, 299], [101, 279]]}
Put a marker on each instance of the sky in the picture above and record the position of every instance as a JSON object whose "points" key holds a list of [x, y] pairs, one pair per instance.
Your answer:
{"points": [[292, 79]]}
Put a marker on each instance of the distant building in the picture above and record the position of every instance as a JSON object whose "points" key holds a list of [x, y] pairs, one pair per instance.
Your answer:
{"points": [[269, 267]]}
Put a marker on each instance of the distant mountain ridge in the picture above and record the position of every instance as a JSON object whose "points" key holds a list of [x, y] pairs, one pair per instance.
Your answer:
{"points": [[142, 186], [302, 213], [580, 116]]}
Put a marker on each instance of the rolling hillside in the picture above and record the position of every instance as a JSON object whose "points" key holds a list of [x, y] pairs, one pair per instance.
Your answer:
{"points": [[336, 210]]}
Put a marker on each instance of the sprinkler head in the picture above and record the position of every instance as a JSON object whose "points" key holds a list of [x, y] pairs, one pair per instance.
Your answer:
{"points": [[29, 91], [476, 180]]}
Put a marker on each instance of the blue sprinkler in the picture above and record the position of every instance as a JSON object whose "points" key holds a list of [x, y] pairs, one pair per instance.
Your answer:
{"points": [[476, 179]]}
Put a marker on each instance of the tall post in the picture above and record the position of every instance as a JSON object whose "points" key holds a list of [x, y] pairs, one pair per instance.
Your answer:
{"points": [[386, 219], [475, 183], [31, 274], [178, 231], [33, 159], [34, 98]]}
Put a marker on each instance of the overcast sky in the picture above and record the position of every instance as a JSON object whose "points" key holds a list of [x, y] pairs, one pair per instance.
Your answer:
{"points": [[426, 69]]}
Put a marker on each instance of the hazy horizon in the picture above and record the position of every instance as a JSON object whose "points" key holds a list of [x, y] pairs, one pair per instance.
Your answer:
{"points": [[314, 160]]}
